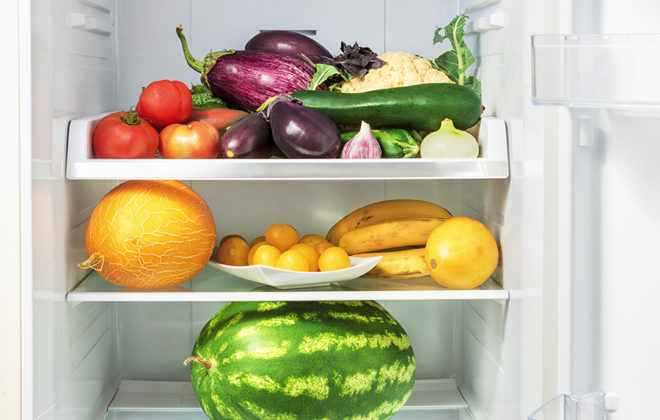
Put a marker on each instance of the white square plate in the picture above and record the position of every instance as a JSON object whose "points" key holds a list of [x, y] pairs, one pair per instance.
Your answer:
{"points": [[287, 279]]}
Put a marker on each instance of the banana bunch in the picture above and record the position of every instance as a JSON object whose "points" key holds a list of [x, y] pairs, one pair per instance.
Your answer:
{"points": [[395, 229]]}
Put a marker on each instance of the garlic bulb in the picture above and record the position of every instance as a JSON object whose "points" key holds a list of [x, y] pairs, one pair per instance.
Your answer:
{"points": [[363, 145]]}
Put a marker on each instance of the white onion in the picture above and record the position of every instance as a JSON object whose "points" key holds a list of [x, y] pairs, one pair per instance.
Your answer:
{"points": [[449, 143]]}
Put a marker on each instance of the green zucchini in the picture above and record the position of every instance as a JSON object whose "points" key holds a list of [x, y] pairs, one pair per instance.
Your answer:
{"points": [[420, 107]]}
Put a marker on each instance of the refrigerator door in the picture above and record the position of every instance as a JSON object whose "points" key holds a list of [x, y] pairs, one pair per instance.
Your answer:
{"points": [[610, 96]]}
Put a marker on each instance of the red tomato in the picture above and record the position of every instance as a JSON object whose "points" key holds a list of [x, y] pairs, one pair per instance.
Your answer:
{"points": [[165, 102], [124, 135], [197, 139]]}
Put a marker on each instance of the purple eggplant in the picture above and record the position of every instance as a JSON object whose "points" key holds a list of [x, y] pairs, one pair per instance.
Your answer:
{"points": [[302, 132], [245, 79], [289, 43], [249, 137]]}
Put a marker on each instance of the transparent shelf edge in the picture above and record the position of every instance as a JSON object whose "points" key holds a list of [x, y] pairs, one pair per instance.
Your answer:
{"points": [[493, 164], [178, 397], [209, 286], [614, 71]]}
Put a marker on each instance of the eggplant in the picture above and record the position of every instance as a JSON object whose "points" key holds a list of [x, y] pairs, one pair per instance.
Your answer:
{"points": [[289, 43], [249, 137], [245, 79], [301, 132]]}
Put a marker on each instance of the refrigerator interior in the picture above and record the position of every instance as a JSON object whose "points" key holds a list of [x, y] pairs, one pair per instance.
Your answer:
{"points": [[479, 356]]}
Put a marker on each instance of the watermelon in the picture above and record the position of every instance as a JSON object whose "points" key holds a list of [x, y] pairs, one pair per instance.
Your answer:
{"points": [[302, 361]]}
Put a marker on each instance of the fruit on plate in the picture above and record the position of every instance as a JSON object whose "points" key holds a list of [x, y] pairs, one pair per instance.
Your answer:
{"points": [[282, 236], [389, 234], [310, 253], [334, 258], [124, 135], [400, 263], [383, 211], [165, 102], [253, 250], [302, 360], [266, 254], [461, 253], [292, 260], [289, 251], [193, 140], [149, 234], [233, 250]]}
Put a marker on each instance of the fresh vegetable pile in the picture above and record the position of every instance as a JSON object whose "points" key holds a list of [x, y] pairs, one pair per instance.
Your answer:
{"points": [[302, 360], [285, 95]]}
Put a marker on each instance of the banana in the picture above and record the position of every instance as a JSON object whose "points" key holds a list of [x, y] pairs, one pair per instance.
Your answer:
{"points": [[382, 211], [401, 264], [388, 234]]}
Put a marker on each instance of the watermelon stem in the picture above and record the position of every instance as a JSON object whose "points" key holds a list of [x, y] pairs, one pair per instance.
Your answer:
{"points": [[95, 261], [208, 364]]}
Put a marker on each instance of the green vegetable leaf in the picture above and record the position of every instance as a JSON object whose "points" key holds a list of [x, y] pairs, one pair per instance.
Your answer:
{"points": [[323, 73], [455, 62], [448, 64], [204, 99], [473, 83]]}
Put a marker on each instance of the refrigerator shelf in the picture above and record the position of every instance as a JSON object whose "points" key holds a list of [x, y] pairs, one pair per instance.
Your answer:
{"points": [[596, 70], [492, 163], [214, 286], [145, 400]]}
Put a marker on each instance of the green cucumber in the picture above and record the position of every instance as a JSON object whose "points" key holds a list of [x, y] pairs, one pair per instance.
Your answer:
{"points": [[394, 142], [419, 107]]}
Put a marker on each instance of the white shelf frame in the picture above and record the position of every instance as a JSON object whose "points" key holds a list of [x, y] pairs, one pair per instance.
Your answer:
{"points": [[214, 286], [493, 163]]}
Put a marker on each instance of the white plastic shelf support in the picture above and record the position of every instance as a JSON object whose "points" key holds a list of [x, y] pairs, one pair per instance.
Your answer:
{"points": [[493, 163]]}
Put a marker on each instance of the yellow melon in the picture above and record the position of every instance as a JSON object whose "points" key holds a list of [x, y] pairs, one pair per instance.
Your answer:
{"points": [[149, 235], [461, 253]]}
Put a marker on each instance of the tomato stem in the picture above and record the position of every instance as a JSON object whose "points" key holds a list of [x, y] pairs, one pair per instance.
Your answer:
{"points": [[131, 118]]}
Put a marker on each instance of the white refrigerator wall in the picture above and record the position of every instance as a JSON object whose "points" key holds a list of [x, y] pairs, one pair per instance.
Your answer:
{"points": [[91, 56]]}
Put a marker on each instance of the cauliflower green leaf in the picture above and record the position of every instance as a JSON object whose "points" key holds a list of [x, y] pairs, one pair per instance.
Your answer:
{"points": [[455, 62]]}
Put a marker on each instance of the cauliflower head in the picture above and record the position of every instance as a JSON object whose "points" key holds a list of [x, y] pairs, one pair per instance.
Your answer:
{"points": [[401, 69]]}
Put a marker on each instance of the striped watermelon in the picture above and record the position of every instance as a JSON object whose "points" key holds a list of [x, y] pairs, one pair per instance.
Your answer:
{"points": [[302, 361]]}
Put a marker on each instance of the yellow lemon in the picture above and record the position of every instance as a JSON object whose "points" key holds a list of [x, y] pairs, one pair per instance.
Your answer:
{"points": [[461, 253]]}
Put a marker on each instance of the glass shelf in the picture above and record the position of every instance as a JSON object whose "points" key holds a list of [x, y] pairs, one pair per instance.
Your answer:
{"points": [[146, 400], [212, 285], [599, 71], [492, 163]]}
